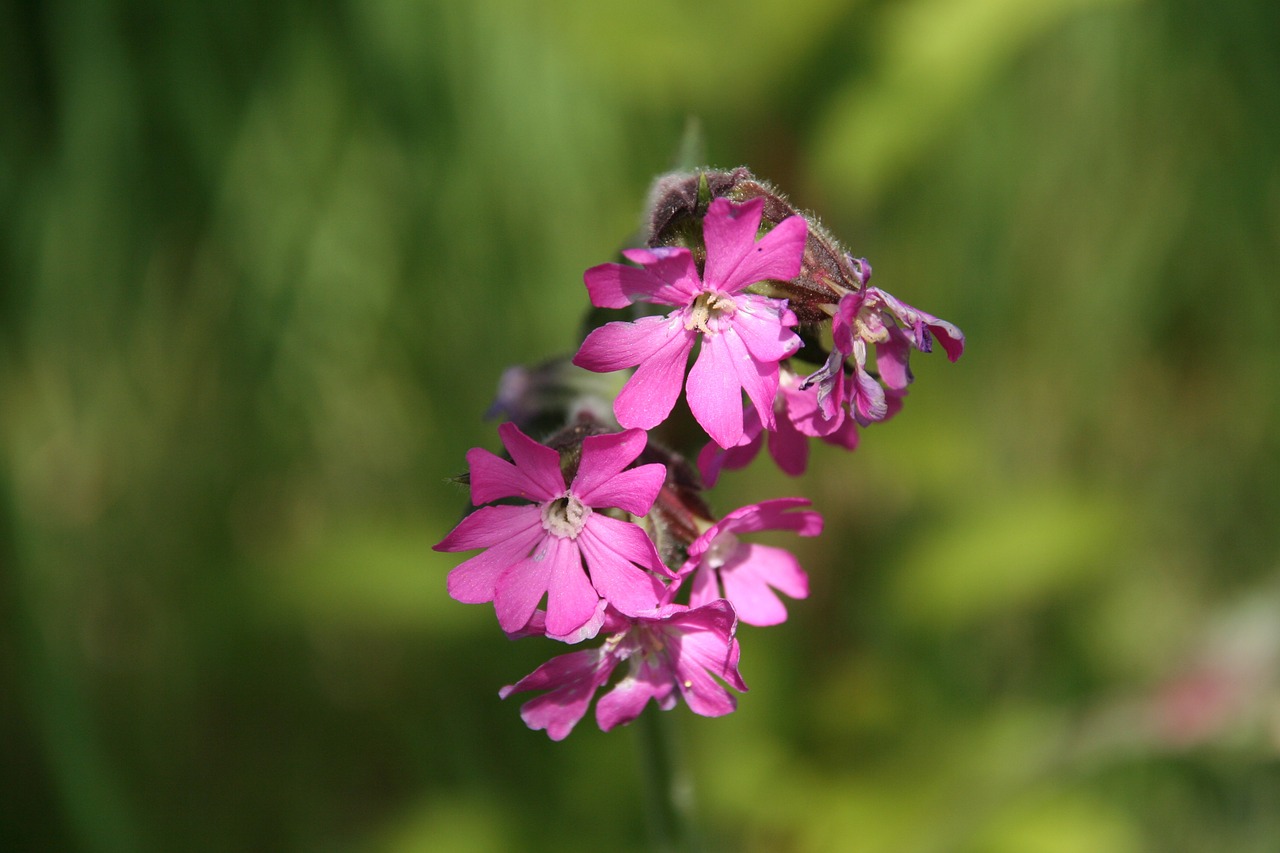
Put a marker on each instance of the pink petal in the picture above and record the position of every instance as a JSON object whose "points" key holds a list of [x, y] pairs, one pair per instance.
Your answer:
{"points": [[735, 259], [538, 462], [619, 345], [627, 699], [846, 436], [601, 480], [748, 579], [764, 324], [759, 379], [628, 541], [519, 589], [713, 457], [634, 490], [491, 525], [493, 478], [891, 360], [631, 590], [729, 233], [650, 394], [618, 285], [573, 680], [771, 515], [812, 413], [778, 255], [706, 585], [866, 397], [789, 447], [571, 600], [475, 581], [715, 393], [675, 268]]}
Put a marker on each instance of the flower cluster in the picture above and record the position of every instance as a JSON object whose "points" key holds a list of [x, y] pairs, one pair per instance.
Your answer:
{"points": [[600, 532]]}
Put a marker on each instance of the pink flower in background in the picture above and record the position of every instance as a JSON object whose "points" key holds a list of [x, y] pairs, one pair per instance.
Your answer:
{"points": [[674, 651], [539, 549], [743, 335], [746, 574]]}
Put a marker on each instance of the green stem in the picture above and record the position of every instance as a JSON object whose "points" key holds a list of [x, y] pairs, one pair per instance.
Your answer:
{"points": [[668, 786]]}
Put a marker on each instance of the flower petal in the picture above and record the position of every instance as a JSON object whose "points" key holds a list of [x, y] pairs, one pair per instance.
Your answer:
{"points": [[493, 478], [628, 697], [750, 577], [674, 267], [519, 589], [602, 481], [715, 392], [771, 515], [536, 461], [619, 345], [491, 525], [764, 324], [573, 680], [634, 490], [628, 541], [735, 259], [475, 581], [713, 457], [789, 447], [618, 285], [650, 394], [629, 589], [571, 600]]}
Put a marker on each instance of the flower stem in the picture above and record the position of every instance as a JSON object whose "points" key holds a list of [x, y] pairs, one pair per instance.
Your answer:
{"points": [[667, 783]]}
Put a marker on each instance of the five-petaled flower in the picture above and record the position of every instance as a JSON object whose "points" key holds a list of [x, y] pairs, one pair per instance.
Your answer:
{"points": [[539, 548], [744, 335], [673, 651]]}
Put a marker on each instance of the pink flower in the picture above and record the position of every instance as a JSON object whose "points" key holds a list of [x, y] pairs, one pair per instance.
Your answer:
{"points": [[676, 650], [539, 549], [747, 575], [743, 335]]}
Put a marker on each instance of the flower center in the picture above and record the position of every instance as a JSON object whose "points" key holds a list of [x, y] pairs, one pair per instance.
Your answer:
{"points": [[722, 549], [565, 516], [707, 310], [869, 326]]}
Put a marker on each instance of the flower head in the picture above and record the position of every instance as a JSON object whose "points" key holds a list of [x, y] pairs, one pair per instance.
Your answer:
{"points": [[747, 574], [674, 651], [743, 335], [539, 548]]}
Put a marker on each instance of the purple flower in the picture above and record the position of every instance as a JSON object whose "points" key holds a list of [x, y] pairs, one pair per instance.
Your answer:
{"points": [[746, 574], [867, 317], [539, 549], [744, 335], [673, 651]]}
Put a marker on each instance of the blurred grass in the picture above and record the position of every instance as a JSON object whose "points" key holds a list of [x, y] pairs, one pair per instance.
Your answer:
{"points": [[261, 267]]}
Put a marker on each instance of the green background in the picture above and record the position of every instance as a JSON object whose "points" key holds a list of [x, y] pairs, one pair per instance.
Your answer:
{"points": [[263, 264]]}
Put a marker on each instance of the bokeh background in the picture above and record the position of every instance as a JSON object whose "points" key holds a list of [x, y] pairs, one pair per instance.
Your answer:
{"points": [[263, 264]]}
